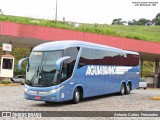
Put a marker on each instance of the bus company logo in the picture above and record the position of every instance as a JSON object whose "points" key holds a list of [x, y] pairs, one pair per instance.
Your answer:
{"points": [[6, 114], [106, 70]]}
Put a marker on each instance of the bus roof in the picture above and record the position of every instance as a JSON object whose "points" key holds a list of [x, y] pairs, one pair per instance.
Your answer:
{"points": [[60, 45]]}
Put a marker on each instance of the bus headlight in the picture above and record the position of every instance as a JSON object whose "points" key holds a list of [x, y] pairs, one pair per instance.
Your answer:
{"points": [[25, 89], [56, 90]]}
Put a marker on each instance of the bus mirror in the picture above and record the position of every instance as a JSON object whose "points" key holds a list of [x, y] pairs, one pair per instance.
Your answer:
{"points": [[20, 62], [60, 60]]}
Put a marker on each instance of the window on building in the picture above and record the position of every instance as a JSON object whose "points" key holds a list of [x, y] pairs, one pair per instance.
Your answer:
{"points": [[7, 63]]}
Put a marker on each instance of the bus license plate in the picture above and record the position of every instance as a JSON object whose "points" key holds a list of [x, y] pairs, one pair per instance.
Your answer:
{"points": [[37, 97]]}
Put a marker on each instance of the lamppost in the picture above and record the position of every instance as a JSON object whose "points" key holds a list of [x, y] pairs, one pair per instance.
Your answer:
{"points": [[56, 10], [1, 12]]}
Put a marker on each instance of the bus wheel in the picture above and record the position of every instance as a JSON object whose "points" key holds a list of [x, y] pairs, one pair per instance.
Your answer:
{"points": [[76, 96], [47, 102], [128, 88], [122, 90]]}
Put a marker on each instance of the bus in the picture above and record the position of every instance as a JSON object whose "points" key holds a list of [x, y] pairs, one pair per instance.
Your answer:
{"points": [[72, 70]]}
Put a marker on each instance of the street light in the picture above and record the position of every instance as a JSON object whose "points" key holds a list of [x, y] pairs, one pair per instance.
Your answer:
{"points": [[1, 12], [56, 10]]}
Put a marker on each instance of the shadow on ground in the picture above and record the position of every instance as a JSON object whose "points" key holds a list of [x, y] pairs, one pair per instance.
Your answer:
{"points": [[66, 103]]}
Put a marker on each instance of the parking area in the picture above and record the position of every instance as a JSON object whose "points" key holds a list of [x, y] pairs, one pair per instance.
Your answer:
{"points": [[12, 99]]}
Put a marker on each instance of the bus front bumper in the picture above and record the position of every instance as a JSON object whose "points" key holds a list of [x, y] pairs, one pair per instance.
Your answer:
{"points": [[37, 96]]}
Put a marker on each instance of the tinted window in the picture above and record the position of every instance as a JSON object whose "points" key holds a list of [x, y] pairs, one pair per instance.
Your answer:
{"points": [[20, 77], [7, 63], [142, 80], [68, 65], [103, 57]]}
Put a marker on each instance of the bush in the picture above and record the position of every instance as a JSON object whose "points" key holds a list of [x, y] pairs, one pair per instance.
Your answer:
{"points": [[5, 82]]}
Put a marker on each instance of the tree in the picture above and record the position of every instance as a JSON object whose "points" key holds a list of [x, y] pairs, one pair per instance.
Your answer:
{"points": [[117, 21], [143, 21], [158, 16], [20, 53], [157, 19], [132, 22], [153, 21]]}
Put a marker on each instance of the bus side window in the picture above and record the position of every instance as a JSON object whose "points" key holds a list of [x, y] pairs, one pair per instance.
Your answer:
{"points": [[68, 65], [64, 71], [89, 57]]}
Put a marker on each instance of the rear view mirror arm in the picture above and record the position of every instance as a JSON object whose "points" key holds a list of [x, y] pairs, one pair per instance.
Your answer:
{"points": [[59, 61], [20, 62]]}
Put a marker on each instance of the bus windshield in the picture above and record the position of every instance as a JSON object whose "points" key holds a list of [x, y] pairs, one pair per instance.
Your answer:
{"points": [[41, 68]]}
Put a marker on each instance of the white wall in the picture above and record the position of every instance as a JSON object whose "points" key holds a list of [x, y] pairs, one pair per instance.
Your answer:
{"points": [[6, 72], [150, 80]]}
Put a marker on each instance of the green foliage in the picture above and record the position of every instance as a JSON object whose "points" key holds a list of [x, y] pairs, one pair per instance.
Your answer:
{"points": [[142, 21], [157, 19], [117, 21], [148, 68], [20, 53], [157, 22], [19, 72], [5, 82]]}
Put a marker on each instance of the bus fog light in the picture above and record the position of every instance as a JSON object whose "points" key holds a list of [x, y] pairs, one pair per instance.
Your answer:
{"points": [[56, 90], [53, 91], [25, 89]]}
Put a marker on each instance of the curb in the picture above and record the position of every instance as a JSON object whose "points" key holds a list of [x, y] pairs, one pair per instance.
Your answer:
{"points": [[9, 85], [153, 88], [155, 98]]}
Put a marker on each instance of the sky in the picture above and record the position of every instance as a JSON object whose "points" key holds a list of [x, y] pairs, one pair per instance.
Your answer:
{"points": [[82, 11]]}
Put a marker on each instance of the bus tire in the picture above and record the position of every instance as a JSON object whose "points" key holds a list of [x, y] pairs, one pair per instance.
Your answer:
{"points": [[122, 90], [47, 102], [128, 88], [76, 96]]}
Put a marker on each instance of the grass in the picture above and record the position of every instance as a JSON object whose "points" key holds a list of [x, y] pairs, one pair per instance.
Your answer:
{"points": [[147, 33], [32, 21]]}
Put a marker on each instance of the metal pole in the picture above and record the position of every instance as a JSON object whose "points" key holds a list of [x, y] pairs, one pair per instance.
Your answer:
{"points": [[141, 68], [156, 73], [56, 10], [1, 11]]}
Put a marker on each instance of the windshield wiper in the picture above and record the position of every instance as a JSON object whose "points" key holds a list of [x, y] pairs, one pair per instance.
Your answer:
{"points": [[35, 75]]}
